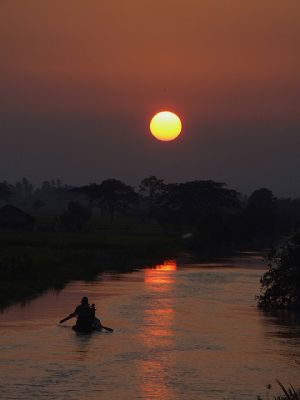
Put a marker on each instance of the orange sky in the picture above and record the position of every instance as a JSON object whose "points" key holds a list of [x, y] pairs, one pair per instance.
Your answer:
{"points": [[219, 63]]}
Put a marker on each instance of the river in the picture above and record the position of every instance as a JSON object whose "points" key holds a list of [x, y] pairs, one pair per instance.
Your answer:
{"points": [[181, 331]]}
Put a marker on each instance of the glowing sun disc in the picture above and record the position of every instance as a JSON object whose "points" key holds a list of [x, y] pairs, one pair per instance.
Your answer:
{"points": [[165, 126]]}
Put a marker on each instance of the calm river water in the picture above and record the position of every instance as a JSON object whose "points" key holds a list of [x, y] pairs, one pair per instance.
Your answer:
{"points": [[181, 331]]}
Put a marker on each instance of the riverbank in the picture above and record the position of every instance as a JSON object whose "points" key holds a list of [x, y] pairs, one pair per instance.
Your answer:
{"points": [[32, 262]]}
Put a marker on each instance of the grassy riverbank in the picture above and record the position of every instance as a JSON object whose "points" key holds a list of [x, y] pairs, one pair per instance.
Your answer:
{"points": [[31, 262]]}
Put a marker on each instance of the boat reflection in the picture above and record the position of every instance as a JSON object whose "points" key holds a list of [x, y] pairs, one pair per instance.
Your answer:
{"points": [[157, 334]]}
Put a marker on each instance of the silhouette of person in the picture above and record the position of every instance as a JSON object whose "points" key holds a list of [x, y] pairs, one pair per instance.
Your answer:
{"points": [[85, 316]]}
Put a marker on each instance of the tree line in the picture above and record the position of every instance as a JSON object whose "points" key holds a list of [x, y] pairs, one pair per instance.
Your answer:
{"points": [[209, 210]]}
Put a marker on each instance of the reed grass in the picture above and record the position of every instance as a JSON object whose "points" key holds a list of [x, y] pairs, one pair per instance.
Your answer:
{"points": [[289, 393]]}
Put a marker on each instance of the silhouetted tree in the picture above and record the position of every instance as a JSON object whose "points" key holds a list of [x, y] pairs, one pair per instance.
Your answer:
{"points": [[110, 196], [23, 193], [38, 204], [286, 215], [92, 192], [281, 283], [260, 211], [27, 187], [116, 196], [61, 194], [189, 202], [151, 188], [261, 199], [75, 217], [215, 230], [5, 192]]}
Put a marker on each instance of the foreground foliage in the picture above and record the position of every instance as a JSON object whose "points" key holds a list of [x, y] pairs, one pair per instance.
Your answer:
{"points": [[289, 393], [280, 285]]}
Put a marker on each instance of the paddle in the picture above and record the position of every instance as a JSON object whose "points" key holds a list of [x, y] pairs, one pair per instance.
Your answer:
{"points": [[106, 328], [67, 318], [73, 315]]}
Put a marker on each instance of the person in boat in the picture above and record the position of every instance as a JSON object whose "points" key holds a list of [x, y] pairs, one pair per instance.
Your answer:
{"points": [[85, 316], [96, 323]]}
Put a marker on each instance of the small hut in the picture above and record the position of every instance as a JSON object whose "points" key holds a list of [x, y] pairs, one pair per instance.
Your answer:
{"points": [[13, 218]]}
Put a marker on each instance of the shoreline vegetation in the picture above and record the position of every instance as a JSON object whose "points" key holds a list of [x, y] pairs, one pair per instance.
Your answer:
{"points": [[33, 262], [280, 284]]}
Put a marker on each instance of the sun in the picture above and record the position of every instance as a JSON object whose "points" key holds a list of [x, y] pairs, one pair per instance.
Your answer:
{"points": [[165, 126]]}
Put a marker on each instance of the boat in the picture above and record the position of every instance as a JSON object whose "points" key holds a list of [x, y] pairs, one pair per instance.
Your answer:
{"points": [[93, 329], [75, 328]]}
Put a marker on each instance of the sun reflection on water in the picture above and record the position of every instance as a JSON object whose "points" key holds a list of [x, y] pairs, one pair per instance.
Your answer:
{"points": [[157, 334], [169, 265], [161, 274]]}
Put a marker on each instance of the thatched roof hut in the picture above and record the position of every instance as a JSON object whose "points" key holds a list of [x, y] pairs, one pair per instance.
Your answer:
{"points": [[13, 217]]}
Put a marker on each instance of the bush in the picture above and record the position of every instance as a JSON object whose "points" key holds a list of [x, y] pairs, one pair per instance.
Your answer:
{"points": [[280, 285]]}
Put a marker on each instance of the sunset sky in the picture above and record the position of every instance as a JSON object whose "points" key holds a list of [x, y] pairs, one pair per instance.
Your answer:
{"points": [[81, 79]]}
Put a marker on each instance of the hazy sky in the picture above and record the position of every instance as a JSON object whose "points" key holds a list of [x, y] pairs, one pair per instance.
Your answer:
{"points": [[80, 80]]}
